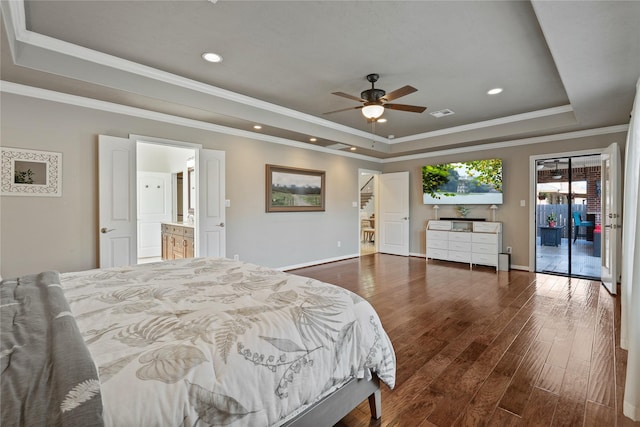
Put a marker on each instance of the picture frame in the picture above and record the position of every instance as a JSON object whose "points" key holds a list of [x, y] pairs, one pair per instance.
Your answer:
{"points": [[294, 189], [30, 172]]}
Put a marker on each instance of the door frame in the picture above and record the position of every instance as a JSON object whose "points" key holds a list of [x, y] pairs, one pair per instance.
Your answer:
{"points": [[375, 174], [533, 192]]}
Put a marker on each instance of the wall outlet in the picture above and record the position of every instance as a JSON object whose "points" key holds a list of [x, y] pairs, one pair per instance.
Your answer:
{"points": [[508, 249], [339, 243], [236, 257]]}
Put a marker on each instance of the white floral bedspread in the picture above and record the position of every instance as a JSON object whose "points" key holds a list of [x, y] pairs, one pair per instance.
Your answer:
{"points": [[209, 341]]}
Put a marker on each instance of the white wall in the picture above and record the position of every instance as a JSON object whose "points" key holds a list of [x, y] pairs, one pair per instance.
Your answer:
{"points": [[41, 233], [515, 174]]}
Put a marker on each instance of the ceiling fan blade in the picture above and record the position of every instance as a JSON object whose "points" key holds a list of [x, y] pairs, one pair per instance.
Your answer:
{"points": [[344, 109], [406, 90], [346, 95], [403, 107]]}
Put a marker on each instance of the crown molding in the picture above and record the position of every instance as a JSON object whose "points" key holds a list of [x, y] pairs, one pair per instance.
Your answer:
{"points": [[20, 34], [487, 123], [514, 143], [110, 107], [79, 101], [14, 12]]}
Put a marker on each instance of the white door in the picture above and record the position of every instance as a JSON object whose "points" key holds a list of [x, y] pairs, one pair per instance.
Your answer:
{"points": [[117, 201], [611, 217], [154, 207], [210, 204], [393, 228]]}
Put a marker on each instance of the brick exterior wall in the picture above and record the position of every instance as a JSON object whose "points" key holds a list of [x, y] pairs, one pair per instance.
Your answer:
{"points": [[591, 174]]}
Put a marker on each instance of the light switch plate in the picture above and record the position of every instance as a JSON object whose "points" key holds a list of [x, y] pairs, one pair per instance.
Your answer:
{"points": [[523, 203], [227, 203]]}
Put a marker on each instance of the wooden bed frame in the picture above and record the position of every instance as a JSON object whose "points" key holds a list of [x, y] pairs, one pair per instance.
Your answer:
{"points": [[334, 407]]}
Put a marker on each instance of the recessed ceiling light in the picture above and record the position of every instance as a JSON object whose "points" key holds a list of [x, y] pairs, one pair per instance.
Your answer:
{"points": [[313, 139], [494, 91], [381, 120], [257, 127], [353, 148], [211, 57]]}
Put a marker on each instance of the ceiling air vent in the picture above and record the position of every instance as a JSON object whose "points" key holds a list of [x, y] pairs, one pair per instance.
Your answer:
{"points": [[442, 113]]}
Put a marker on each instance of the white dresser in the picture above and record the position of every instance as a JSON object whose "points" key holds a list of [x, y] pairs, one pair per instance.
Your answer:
{"points": [[472, 242]]}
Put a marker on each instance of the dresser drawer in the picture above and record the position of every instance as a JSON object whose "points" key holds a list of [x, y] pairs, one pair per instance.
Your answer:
{"points": [[460, 246], [437, 253], [483, 248], [188, 232], [459, 256], [485, 259], [490, 239], [460, 237], [437, 235], [439, 225], [437, 244], [487, 227]]}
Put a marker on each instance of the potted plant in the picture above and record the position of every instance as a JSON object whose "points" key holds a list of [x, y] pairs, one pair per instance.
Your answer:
{"points": [[463, 211], [551, 219]]}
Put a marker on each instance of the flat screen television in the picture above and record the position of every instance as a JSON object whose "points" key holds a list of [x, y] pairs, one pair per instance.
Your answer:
{"points": [[477, 182]]}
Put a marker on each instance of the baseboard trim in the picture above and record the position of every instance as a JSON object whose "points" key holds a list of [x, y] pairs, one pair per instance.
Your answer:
{"points": [[631, 411], [317, 262], [341, 258]]}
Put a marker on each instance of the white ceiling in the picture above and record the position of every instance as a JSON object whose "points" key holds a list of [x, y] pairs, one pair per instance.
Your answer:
{"points": [[564, 66]]}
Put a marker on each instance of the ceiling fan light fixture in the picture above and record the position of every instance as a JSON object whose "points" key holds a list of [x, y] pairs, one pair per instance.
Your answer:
{"points": [[372, 111]]}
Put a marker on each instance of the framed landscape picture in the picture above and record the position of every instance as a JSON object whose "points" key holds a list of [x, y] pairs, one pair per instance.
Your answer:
{"points": [[31, 172], [294, 190]]}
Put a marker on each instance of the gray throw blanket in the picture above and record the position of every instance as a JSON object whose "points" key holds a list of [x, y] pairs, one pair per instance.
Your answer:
{"points": [[47, 376]]}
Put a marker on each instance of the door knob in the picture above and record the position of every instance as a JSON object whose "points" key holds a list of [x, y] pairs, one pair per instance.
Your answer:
{"points": [[221, 224], [105, 230]]}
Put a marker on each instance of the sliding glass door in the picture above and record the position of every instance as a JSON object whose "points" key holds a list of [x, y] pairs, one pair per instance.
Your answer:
{"points": [[568, 216]]}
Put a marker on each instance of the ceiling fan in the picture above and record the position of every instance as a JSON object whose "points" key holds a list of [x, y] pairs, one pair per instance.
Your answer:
{"points": [[376, 100], [557, 173]]}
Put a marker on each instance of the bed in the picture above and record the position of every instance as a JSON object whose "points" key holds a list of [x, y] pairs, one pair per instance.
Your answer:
{"points": [[192, 342]]}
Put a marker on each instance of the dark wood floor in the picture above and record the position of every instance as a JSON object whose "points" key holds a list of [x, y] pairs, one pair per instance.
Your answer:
{"points": [[480, 348]]}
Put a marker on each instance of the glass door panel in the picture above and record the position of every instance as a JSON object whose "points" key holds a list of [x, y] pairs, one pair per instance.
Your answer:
{"points": [[552, 216], [585, 215], [568, 215]]}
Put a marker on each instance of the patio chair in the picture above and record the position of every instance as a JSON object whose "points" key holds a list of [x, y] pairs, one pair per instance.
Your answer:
{"points": [[577, 223]]}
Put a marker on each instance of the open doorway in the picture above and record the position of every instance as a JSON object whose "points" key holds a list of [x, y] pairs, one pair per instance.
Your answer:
{"points": [[367, 211], [568, 216], [118, 208], [165, 211]]}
